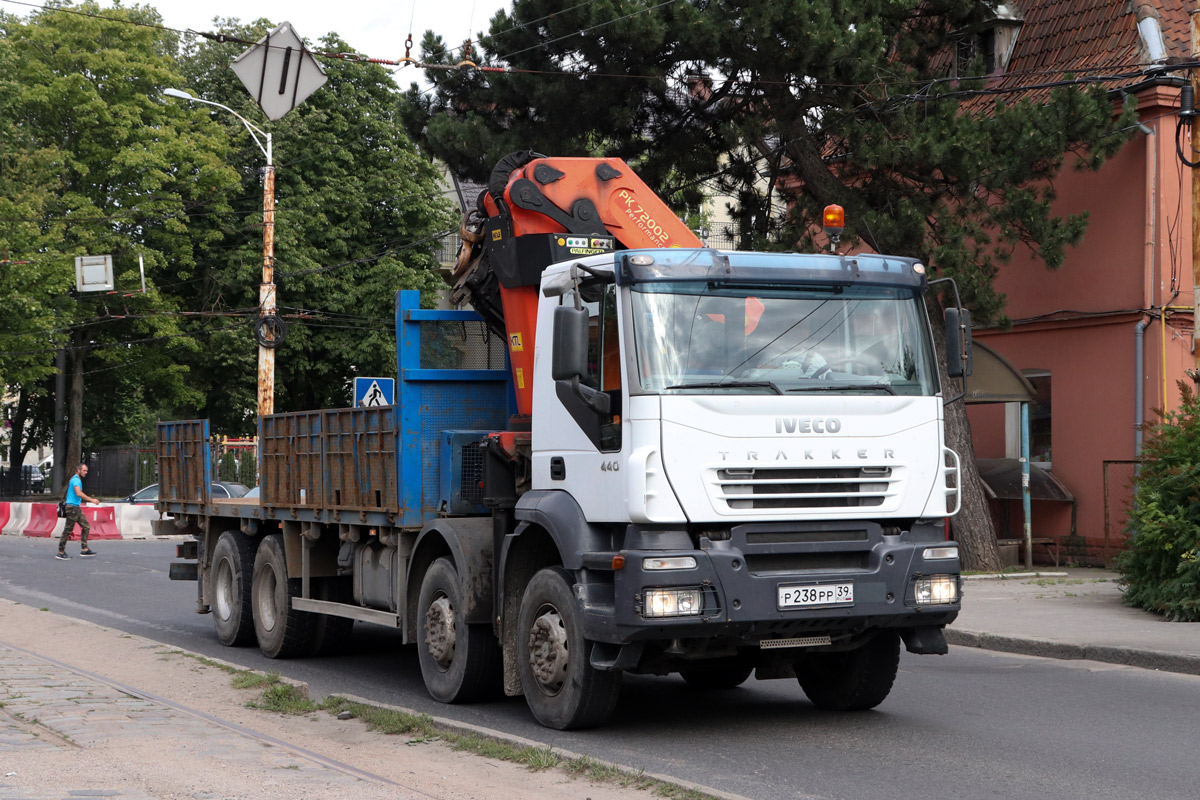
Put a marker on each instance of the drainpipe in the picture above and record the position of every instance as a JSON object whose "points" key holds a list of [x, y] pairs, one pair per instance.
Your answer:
{"points": [[1139, 389], [1025, 504]]}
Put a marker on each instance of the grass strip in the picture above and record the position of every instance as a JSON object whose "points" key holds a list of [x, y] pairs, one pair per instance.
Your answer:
{"points": [[421, 728]]}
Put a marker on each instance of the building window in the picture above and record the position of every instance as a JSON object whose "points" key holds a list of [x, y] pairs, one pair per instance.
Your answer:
{"points": [[975, 46], [1039, 421]]}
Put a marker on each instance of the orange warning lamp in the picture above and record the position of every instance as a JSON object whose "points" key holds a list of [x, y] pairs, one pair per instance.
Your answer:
{"points": [[834, 219]]}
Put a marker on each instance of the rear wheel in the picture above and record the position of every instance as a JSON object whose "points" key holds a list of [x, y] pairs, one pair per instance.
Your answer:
{"points": [[232, 570], [460, 663], [282, 631], [724, 676], [852, 681], [562, 688]]}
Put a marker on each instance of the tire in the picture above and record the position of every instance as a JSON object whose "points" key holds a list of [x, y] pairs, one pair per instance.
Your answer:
{"points": [[724, 676], [460, 663], [282, 631], [562, 688], [330, 634], [852, 681], [232, 572]]}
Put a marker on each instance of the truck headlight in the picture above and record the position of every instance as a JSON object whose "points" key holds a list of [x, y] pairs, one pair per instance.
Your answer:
{"points": [[676, 602], [936, 590]]}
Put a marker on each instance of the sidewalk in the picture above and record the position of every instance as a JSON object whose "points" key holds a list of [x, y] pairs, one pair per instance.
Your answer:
{"points": [[89, 712], [1072, 614]]}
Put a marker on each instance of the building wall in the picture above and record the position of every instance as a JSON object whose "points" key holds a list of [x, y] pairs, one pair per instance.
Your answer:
{"points": [[1079, 324]]}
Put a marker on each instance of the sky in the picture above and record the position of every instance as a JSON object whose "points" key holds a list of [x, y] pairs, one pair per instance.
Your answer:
{"points": [[376, 28]]}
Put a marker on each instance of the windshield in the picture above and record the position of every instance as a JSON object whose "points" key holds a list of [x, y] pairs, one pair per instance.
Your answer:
{"points": [[712, 336]]}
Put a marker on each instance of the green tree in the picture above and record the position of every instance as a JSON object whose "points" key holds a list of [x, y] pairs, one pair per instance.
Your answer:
{"points": [[1161, 568], [359, 215], [94, 162], [814, 102]]}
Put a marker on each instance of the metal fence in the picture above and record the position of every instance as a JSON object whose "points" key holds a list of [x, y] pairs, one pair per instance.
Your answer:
{"points": [[235, 460], [23, 480], [119, 470]]}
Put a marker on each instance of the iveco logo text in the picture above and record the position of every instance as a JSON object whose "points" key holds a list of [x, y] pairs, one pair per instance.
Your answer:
{"points": [[807, 425]]}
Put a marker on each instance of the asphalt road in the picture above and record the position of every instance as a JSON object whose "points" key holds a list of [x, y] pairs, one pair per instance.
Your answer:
{"points": [[972, 724]]}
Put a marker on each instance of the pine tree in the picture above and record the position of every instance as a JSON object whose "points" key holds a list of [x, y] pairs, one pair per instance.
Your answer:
{"points": [[789, 105]]}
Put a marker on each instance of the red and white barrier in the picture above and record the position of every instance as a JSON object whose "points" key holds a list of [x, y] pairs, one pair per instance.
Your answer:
{"points": [[134, 521], [43, 521], [18, 518], [120, 521]]}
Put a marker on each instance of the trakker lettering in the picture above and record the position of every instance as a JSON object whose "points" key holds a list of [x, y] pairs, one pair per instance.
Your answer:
{"points": [[836, 454], [807, 425]]}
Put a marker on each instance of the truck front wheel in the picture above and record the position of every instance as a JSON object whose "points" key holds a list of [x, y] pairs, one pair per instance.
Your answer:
{"points": [[232, 567], [283, 632], [854, 680], [562, 688], [460, 663]]}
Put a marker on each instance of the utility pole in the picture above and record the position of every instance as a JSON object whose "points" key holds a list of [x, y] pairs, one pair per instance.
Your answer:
{"points": [[267, 321], [267, 331], [1195, 86]]}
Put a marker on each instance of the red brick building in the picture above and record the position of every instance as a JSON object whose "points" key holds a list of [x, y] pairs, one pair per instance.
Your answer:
{"points": [[1105, 338]]}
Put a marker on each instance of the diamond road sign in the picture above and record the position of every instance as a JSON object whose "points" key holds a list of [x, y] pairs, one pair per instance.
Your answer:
{"points": [[278, 72]]}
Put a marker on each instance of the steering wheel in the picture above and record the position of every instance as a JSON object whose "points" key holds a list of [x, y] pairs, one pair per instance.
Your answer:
{"points": [[870, 365]]}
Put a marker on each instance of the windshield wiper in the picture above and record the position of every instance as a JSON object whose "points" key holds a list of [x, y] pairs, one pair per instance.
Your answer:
{"points": [[844, 387], [730, 385]]}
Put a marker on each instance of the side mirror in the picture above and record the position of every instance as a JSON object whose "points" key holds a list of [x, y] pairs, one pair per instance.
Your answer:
{"points": [[569, 362], [959, 355], [570, 343]]}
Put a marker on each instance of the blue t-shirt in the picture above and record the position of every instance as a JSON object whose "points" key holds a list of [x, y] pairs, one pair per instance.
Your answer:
{"points": [[74, 487]]}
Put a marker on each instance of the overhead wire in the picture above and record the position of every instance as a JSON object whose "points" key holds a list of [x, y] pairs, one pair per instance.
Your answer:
{"points": [[358, 57]]}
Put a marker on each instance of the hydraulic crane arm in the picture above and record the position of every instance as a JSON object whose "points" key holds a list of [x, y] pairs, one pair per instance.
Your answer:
{"points": [[540, 210]]}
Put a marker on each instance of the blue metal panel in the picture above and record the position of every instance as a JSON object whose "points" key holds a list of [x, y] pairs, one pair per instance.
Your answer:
{"points": [[430, 401], [408, 453], [455, 375]]}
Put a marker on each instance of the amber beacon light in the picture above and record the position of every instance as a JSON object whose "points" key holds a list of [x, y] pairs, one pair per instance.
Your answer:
{"points": [[834, 221]]}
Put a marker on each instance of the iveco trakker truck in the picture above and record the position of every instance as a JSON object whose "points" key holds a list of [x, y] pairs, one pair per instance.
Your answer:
{"points": [[634, 455]]}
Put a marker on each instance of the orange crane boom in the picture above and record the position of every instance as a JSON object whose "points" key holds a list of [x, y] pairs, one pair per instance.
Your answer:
{"points": [[539, 210]]}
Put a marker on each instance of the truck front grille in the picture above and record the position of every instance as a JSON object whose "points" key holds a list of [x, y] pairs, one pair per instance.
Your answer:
{"points": [[792, 488]]}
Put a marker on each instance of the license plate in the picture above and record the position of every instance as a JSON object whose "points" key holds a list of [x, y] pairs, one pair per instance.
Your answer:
{"points": [[816, 595]]}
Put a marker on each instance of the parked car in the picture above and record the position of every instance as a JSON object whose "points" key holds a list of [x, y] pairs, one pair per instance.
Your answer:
{"points": [[255, 492], [219, 489], [33, 478]]}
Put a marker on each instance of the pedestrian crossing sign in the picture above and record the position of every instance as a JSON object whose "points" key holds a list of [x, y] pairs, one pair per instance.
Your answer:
{"points": [[370, 392]]}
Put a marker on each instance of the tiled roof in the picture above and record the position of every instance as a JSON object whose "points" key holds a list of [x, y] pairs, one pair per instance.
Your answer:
{"points": [[1090, 38]]}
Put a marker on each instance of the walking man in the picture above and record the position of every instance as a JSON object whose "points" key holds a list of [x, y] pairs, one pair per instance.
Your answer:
{"points": [[75, 498]]}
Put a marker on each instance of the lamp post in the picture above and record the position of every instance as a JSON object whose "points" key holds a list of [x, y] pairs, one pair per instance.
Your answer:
{"points": [[266, 292]]}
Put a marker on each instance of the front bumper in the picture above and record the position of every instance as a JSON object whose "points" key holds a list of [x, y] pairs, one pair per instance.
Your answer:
{"points": [[739, 581]]}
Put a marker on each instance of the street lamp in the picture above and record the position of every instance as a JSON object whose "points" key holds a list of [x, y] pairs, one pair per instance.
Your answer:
{"points": [[266, 331]]}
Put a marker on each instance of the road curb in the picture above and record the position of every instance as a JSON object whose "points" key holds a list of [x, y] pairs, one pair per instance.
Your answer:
{"points": [[1182, 663], [467, 728]]}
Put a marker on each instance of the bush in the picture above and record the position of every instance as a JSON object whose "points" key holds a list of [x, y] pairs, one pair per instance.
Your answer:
{"points": [[1160, 570]]}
